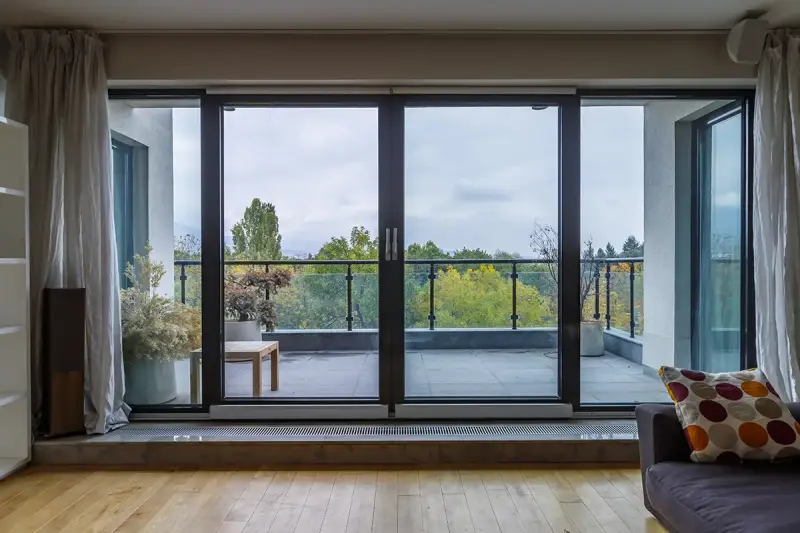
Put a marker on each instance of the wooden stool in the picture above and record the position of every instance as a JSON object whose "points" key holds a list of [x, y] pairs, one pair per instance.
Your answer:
{"points": [[253, 352]]}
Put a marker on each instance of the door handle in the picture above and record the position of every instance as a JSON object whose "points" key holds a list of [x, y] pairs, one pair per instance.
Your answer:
{"points": [[394, 244], [388, 246]]}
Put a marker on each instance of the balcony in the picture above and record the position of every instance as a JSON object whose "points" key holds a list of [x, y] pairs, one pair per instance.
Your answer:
{"points": [[329, 337]]}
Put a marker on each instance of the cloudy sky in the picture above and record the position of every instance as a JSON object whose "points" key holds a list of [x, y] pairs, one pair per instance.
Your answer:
{"points": [[477, 177]]}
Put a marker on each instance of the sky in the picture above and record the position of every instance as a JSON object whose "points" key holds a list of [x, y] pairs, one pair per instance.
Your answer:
{"points": [[474, 177]]}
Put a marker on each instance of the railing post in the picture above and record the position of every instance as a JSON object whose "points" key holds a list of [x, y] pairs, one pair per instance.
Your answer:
{"points": [[431, 315], [633, 310], [349, 297], [608, 295], [514, 316], [183, 284], [596, 290]]}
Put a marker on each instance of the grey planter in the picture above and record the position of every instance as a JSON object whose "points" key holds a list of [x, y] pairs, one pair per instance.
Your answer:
{"points": [[149, 382], [592, 339], [249, 330]]}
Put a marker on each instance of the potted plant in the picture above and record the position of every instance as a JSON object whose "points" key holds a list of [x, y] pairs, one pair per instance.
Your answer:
{"points": [[156, 332], [544, 241], [247, 307]]}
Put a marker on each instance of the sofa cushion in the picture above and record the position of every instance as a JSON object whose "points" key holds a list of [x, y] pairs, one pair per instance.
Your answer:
{"points": [[732, 416], [716, 498]]}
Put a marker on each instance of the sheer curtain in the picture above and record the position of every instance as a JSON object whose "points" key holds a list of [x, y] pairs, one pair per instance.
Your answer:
{"points": [[776, 212], [57, 86]]}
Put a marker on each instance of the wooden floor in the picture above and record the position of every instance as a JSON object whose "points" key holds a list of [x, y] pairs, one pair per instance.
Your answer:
{"points": [[465, 501]]}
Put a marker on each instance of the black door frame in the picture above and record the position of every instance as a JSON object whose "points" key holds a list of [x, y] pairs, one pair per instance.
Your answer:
{"points": [[391, 137], [391, 133], [568, 386]]}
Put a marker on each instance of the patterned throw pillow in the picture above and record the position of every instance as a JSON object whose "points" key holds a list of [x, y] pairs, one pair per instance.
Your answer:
{"points": [[732, 417]]}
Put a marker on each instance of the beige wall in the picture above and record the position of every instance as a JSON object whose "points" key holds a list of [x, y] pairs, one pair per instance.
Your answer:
{"points": [[582, 60]]}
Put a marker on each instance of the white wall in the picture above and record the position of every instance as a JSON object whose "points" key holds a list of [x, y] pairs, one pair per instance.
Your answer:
{"points": [[152, 128], [140, 59], [2, 96], [667, 232]]}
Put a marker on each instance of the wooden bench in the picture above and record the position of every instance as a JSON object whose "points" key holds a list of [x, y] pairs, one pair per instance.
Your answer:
{"points": [[253, 352]]}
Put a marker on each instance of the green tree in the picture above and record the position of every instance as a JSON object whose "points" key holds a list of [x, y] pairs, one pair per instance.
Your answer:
{"points": [[611, 252], [257, 235], [478, 298], [429, 250], [318, 295], [632, 247], [359, 246]]}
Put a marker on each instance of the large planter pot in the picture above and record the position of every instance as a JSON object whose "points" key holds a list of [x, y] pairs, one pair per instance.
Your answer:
{"points": [[592, 339], [149, 382], [249, 330]]}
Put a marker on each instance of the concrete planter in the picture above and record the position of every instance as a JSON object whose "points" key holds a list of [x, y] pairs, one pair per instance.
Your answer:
{"points": [[249, 330], [149, 382], [592, 339]]}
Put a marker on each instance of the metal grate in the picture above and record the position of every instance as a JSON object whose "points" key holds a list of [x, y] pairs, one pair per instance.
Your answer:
{"points": [[586, 430]]}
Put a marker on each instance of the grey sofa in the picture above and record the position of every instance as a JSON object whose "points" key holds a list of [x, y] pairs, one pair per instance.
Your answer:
{"points": [[708, 498]]}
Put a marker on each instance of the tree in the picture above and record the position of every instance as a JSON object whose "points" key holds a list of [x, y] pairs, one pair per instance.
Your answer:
{"points": [[544, 242], [600, 254], [611, 252], [256, 235], [359, 246], [632, 247], [429, 250], [477, 298], [187, 247]]}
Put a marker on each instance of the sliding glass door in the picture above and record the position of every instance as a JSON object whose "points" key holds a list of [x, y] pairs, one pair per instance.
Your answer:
{"points": [[300, 268], [395, 251], [479, 242], [440, 255]]}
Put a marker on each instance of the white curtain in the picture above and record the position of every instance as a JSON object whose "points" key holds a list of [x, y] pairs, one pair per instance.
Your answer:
{"points": [[57, 86], [776, 212]]}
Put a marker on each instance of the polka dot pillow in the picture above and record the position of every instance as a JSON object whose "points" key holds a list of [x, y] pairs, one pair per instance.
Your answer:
{"points": [[732, 417]]}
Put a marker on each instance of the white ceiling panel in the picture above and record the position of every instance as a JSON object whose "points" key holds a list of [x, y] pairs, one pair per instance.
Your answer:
{"points": [[536, 15]]}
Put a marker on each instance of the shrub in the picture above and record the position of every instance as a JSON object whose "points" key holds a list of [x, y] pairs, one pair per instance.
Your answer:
{"points": [[153, 326], [246, 296]]}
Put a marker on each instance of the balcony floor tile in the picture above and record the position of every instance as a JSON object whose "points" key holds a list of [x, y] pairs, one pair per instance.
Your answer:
{"points": [[442, 373]]}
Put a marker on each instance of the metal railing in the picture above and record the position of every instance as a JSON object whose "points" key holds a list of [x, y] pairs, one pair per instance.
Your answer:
{"points": [[599, 268]]}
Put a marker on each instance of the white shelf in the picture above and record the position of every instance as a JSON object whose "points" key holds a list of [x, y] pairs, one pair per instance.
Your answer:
{"points": [[13, 220], [9, 465], [15, 406], [13, 294], [12, 192], [8, 398]]}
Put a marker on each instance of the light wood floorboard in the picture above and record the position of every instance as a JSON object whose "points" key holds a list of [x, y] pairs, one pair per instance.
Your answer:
{"points": [[567, 500]]}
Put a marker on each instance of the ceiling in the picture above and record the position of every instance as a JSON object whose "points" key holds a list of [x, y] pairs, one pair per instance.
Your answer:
{"points": [[534, 15]]}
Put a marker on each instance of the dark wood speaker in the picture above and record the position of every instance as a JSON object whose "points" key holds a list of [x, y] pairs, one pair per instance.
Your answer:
{"points": [[63, 349]]}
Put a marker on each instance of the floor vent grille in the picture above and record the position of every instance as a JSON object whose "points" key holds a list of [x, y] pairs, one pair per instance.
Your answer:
{"points": [[616, 430]]}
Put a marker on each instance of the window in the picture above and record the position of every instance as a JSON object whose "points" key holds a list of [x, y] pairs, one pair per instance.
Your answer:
{"points": [[122, 167], [718, 227]]}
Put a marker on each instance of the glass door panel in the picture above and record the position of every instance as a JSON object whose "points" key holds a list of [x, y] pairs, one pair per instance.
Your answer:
{"points": [[481, 252], [301, 251], [718, 323]]}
